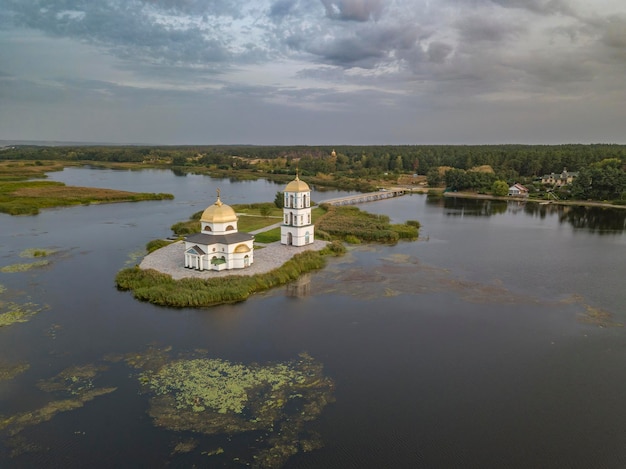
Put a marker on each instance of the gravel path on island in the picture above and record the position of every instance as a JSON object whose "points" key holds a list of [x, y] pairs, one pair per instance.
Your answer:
{"points": [[171, 260]]}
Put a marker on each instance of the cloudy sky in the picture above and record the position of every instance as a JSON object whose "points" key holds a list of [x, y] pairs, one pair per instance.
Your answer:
{"points": [[313, 71]]}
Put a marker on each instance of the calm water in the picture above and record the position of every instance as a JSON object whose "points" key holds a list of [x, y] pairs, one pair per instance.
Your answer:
{"points": [[465, 349]]}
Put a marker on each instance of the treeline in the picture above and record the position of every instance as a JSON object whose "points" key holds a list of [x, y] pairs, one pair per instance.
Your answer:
{"points": [[508, 161]]}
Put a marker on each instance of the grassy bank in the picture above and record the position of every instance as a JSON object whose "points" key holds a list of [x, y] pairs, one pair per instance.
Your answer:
{"points": [[161, 289], [354, 225], [20, 194]]}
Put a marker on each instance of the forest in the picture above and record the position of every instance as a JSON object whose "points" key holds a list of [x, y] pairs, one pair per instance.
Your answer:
{"points": [[601, 166]]}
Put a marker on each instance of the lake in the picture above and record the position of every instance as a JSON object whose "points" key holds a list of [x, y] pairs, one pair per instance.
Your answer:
{"points": [[493, 341]]}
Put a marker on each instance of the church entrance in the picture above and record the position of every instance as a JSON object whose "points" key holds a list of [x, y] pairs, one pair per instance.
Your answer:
{"points": [[289, 239]]}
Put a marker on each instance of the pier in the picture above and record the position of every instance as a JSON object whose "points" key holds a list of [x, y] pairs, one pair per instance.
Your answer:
{"points": [[362, 198]]}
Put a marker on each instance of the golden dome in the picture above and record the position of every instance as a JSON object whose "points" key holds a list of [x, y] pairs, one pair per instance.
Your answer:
{"points": [[218, 213], [333, 153], [297, 186]]}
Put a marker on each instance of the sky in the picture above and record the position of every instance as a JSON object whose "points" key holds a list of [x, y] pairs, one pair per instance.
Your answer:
{"points": [[313, 72]]}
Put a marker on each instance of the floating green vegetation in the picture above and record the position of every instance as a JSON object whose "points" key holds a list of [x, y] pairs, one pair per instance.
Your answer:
{"points": [[598, 317], [158, 288], [34, 252], [24, 267], [75, 380], [17, 313], [214, 396], [185, 446], [18, 422], [8, 372], [273, 403], [133, 257]]}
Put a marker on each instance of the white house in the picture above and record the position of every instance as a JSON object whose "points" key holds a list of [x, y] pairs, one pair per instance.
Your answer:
{"points": [[219, 246], [517, 190], [297, 228]]}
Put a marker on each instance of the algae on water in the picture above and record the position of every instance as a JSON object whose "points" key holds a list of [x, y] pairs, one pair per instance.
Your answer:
{"points": [[15, 313], [192, 392], [37, 252], [8, 372], [24, 267], [214, 396]]}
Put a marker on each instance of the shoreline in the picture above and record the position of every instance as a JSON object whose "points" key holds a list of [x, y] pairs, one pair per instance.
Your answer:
{"points": [[575, 203]]}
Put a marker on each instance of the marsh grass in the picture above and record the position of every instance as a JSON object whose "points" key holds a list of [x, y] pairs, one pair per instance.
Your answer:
{"points": [[354, 224], [21, 195], [157, 244], [160, 289]]}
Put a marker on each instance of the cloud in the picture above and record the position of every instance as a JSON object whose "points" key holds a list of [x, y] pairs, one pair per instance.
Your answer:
{"points": [[400, 57], [353, 10]]}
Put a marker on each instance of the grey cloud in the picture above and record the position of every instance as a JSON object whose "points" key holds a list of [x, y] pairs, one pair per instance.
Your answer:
{"points": [[615, 33], [353, 10], [439, 51], [127, 30], [545, 7], [475, 28], [230, 8], [367, 46], [282, 8]]}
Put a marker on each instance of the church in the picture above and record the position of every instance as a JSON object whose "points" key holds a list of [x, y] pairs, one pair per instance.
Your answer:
{"points": [[219, 246], [297, 228]]}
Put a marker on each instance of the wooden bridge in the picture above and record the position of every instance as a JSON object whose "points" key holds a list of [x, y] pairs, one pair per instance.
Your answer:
{"points": [[362, 198]]}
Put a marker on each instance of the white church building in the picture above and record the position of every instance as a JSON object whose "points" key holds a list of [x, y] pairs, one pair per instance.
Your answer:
{"points": [[297, 228], [219, 246]]}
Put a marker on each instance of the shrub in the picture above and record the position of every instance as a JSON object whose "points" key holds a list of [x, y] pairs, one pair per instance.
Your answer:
{"points": [[414, 223], [156, 244]]}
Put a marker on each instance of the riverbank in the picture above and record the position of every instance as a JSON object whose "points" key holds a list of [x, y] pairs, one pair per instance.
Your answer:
{"points": [[575, 203]]}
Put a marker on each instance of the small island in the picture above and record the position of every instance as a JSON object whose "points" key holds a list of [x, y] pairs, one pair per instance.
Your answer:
{"points": [[217, 264]]}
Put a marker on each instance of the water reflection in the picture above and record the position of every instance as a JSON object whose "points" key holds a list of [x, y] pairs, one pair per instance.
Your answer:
{"points": [[300, 288], [599, 220], [456, 206]]}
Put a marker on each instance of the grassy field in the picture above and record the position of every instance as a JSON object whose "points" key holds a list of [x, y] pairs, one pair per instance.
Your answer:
{"points": [[22, 194], [268, 236]]}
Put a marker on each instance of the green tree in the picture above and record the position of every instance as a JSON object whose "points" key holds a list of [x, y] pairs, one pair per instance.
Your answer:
{"points": [[279, 200], [500, 188], [433, 177]]}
